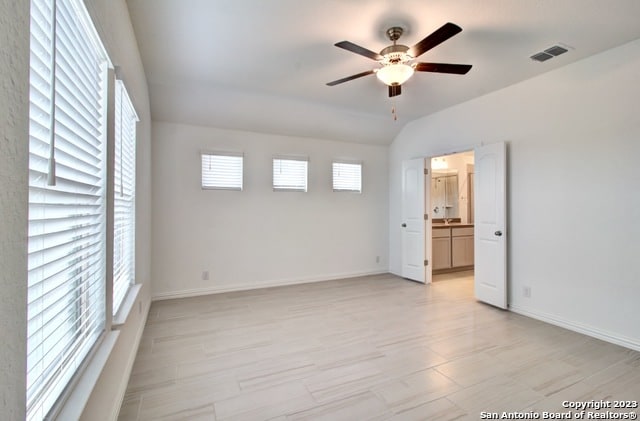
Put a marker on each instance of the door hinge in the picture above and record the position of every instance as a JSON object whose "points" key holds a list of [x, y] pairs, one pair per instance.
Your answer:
{"points": [[426, 171], [426, 263], [426, 216]]}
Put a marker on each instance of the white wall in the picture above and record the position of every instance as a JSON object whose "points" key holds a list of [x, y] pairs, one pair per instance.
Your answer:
{"points": [[14, 113], [111, 18], [259, 237], [573, 147]]}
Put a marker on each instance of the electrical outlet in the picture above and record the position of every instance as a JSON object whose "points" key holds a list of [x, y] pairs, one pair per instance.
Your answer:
{"points": [[526, 291], [205, 275]]}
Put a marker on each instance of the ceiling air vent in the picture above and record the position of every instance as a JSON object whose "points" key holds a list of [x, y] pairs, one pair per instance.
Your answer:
{"points": [[550, 52], [556, 50], [541, 57]]}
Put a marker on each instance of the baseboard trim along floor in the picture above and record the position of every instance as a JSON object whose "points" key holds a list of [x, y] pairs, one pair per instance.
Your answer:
{"points": [[196, 292], [577, 327]]}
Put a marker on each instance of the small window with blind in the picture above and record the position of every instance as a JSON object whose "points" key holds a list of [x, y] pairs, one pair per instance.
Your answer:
{"points": [[347, 176], [290, 174], [124, 195], [222, 170]]}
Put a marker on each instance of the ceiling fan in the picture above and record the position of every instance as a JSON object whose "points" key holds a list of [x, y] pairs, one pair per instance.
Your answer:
{"points": [[396, 60]]}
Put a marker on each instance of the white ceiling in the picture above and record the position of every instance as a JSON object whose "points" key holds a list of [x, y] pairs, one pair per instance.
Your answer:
{"points": [[262, 65]]}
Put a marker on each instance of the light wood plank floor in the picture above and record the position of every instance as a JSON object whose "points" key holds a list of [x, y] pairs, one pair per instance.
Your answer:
{"points": [[371, 348]]}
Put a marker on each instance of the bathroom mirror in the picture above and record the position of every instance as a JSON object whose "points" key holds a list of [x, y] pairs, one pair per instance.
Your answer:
{"points": [[444, 195]]}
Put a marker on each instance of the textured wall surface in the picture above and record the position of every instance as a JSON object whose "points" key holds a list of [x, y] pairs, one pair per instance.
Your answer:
{"points": [[112, 21], [14, 113]]}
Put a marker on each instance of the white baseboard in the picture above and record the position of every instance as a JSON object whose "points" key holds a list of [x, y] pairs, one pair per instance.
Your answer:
{"points": [[122, 387], [578, 327], [268, 284]]}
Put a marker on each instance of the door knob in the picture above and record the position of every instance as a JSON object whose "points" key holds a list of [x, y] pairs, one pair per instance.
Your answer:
{"points": [[498, 233], [404, 225]]}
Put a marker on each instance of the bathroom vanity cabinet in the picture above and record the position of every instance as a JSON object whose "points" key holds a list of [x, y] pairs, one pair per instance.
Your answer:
{"points": [[452, 247]]}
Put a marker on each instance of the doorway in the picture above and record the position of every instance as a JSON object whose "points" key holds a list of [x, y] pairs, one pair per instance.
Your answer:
{"points": [[489, 231], [451, 207]]}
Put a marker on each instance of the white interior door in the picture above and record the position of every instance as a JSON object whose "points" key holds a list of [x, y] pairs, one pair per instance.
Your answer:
{"points": [[412, 225], [490, 224]]}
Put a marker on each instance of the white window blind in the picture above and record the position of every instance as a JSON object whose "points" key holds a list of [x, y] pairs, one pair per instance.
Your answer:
{"points": [[290, 174], [347, 177], [66, 255], [222, 170], [124, 191]]}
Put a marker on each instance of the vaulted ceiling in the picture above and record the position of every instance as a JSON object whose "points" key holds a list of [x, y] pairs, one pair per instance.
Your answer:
{"points": [[263, 65]]}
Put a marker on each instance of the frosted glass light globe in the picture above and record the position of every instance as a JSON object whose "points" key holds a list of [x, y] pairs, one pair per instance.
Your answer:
{"points": [[395, 74]]}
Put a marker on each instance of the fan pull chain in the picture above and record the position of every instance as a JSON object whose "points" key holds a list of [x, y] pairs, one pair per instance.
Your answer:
{"points": [[393, 112]]}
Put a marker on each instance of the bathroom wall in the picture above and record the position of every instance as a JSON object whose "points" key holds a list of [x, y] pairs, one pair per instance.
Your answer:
{"points": [[459, 164]]}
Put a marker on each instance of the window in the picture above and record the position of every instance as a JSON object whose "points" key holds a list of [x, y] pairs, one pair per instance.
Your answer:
{"points": [[124, 196], [222, 170], [290, 174], [347, 177], [67, 198]]}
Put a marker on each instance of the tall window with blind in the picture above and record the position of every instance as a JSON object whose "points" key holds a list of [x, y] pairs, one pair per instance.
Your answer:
{"points": [[290, 174], [347, 176], [67, 189], [222, 170], [124, 195]]}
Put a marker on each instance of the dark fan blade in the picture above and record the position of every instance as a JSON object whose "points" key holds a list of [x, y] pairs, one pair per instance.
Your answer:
{"points": [[458, 69], [350, 46], [348, 78], [395, 90], [445, 32]]}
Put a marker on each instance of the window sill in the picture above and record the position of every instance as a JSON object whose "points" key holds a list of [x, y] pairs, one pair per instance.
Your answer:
{"points": [[73, 406], [80, 392], [125, 308]]}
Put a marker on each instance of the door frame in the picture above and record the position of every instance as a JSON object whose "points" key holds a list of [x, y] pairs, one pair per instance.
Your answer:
{"points": [[428, 246]]}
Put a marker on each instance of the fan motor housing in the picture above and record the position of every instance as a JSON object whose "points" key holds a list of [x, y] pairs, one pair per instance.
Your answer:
{"points": [[394, 54]]}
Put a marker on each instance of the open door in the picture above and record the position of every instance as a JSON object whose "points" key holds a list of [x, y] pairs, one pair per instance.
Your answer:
{"points": [[413, 224], [490, 225]]}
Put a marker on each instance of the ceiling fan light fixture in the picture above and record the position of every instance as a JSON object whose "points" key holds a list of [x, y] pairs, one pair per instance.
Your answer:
{"points": [[396, 62], [395, 74]]}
